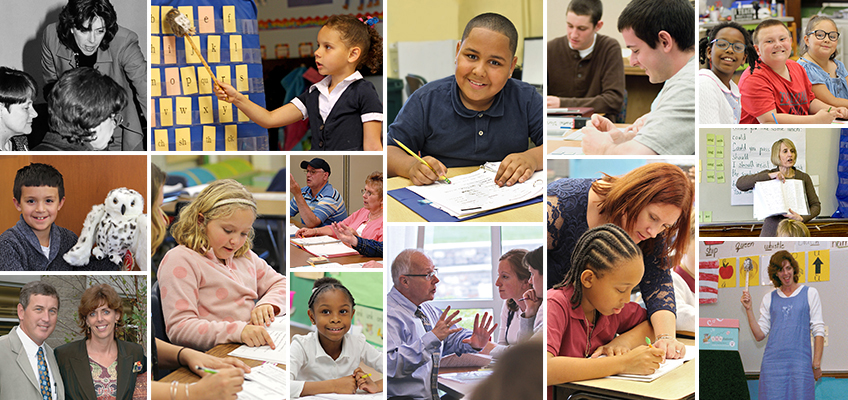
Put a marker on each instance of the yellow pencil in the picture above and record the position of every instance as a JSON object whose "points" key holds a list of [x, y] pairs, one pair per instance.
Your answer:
{"points": [[441, 178]]}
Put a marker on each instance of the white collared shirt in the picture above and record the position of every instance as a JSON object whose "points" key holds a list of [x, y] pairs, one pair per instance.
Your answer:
{"points": [[309, 362], [326, 99], [31, 350]]}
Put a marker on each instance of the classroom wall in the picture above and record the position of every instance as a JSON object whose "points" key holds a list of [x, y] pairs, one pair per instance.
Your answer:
{"points": [[348, 175], [88, 179], [612, 8], [822, 157], [22, 33], [365, 287], [831, 292]]}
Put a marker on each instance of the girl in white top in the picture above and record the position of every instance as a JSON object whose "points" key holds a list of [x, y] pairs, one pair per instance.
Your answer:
{"points": [[723, 50], [327, 361]]}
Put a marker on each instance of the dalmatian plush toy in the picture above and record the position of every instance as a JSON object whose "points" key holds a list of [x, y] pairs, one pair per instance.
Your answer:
{"points": [[113, 228]]}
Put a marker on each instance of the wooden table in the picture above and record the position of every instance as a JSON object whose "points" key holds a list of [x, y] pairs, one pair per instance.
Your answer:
{"points": [[819, 227], [554, 144], [299, 256], [676, 385], [398, 212], [183, 374]]}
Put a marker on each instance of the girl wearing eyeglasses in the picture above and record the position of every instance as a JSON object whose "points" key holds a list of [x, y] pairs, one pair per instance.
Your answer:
{"points": [[826, 73], [727, 46]]}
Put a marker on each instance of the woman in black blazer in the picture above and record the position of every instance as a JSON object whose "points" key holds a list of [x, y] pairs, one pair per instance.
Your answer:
{"points": [[100, 367]]}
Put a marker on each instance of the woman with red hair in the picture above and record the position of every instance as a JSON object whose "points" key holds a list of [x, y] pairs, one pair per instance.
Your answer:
{"points": [[652, 204]]}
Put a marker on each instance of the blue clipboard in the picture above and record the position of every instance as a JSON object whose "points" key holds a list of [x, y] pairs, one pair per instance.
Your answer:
{"points": [[432, 214]]}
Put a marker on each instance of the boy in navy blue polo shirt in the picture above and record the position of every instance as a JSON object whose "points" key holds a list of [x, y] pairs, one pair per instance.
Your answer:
{"points": [[477, 115]]}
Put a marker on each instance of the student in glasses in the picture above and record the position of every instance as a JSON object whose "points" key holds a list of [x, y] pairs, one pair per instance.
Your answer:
{"points": [[725, 48], [826, 73]]}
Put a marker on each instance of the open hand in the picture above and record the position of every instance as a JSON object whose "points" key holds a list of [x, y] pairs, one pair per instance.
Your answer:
{"points": [[481, 333], [443, 329]]}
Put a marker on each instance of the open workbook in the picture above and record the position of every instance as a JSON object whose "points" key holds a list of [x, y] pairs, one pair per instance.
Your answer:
{"points": [[666, 367], [477, 192], [326, 246], [774, 197]]}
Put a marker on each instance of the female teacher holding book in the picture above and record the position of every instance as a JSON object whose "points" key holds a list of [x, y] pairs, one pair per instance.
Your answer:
{"points": [[783, 156], [653, 204]]}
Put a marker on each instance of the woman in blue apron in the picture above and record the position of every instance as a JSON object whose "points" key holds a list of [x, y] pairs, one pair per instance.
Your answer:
{"points": [[787, 315]]}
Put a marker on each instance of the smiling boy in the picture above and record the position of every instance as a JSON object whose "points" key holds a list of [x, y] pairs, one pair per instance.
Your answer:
{"points": [[778, 91], [476, 116]]}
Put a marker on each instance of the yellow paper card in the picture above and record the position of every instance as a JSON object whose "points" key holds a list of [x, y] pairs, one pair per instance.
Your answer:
{"points": [[819, 265], [153, 111], [231, 137], [727, 273], [188, 11], [213, 49], [166, 29], [155, 83], [204, 81], [235, 48], [191, 56], [205, 19], [207, 115], [225, 111], [183, 138], [183, 111], [242, 117], [753, 264], [802, 266], [223, 73], [242, 78], [172, 81], [161, 136], [189, 80], [229, 19], [155, 50], [166, 112], [208, 138], [169, 49], [154, 19]]}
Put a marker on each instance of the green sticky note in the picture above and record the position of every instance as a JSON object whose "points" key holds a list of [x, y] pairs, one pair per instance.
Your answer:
{"points": [[711, 163], [710, 151], [719, 152], [719, 164], [711, 139], [720, 177], [708, 216], [710, 176], [720, 140], [701, 216]]}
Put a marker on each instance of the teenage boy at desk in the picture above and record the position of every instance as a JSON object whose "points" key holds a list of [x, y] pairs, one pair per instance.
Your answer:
{"points": [[661, 36], [477, 115]]}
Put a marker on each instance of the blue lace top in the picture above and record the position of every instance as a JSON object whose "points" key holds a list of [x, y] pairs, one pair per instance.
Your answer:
{"points": [[568, 202]]}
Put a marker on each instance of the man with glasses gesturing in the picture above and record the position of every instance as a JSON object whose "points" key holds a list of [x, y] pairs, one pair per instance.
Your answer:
{"points": [[318, 203]]}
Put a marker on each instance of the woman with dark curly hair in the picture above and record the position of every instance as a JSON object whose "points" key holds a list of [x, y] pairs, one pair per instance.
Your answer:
{"points": [[101, 366], [85, 108], [88, 35]]}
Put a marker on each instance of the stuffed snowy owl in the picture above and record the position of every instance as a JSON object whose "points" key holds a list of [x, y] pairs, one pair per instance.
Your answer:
{"points": [[112, 228]]}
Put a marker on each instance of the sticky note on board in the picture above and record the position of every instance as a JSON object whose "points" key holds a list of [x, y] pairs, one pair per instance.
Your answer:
{"points": [[161, 137], [155, 50], [204, 81], [710, 151], [223, 73], [205, 109], [701, 216], [225, 111], [172, 81], [708, 216], [720, 177], [182, 139], [719, 164], [229, 17], [242, 78], [231, 137], [213, 49], [720, 140], [235, 48], [183, 111], [710, 176], [710, 139], [166, 112], [188, 11], [189, 80], [155, 82], [169, 49], [166, 29], [191, 56], [153, 113], [205, 19], [154, 19], [208, 138], [710, 163], [719, 152]]}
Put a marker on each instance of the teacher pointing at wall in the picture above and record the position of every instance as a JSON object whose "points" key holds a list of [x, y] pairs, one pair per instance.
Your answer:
{"points": [[783, 156]]}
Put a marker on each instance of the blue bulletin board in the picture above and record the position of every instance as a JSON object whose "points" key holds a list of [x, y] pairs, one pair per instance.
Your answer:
{"points": [[185, 113]]}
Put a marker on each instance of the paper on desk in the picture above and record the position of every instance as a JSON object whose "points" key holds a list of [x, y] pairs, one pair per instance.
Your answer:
{"points": [[567, 150], [315, 240], [267, 381], [573, 135], [279, 335], [477, 192], [336, 396], [279, 196], [470, 376], [465, 360], [774, 197], [666, 367], [332, 265], [293, 229]]}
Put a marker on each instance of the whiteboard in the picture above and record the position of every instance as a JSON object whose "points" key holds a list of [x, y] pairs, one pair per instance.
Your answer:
{"points": [[750, 153], [533, 72]]}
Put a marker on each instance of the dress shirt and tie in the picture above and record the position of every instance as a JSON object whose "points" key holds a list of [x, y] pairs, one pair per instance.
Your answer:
{"points": [[28, 371]]}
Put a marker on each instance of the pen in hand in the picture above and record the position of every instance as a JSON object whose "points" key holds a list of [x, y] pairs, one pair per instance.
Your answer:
{"points": [[213, 371], [649, 342], [441, 177]]}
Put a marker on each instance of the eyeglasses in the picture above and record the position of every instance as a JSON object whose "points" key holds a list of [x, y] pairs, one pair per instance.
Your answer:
{"points": [[820, 34], [724, 44], [363, 191], [313, 172], [429, 276]]}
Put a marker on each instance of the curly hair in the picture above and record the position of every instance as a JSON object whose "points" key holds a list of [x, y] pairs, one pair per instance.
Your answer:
{"points": [[92, 299], [776, 264], [356, 33], [79, 12], [157, 233], [751, 56], [375, 179], [81, 100]]}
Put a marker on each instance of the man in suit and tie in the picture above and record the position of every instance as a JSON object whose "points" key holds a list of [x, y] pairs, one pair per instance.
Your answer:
{"points": [[28, 370]]}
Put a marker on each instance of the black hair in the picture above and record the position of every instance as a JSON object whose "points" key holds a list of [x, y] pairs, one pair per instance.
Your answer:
{"points": [[35, 175], [648, 17], [750, 52], [599, 249], [79, 12], [812, 24], [495, 23], [327, 283], [82, 99], [593, 8], [16, 87], [354, 32]]}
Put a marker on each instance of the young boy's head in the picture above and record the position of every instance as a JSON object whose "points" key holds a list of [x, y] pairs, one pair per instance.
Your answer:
{"points": [[583, 20], [39, 193], [773, 42], [485, 59], [654, 28]]}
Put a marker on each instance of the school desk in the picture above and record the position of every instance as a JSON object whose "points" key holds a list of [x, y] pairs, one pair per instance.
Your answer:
{"points": [[454, 389], [397, 212], [183, 375], [676, 385], [819, 227], [554, 144]]}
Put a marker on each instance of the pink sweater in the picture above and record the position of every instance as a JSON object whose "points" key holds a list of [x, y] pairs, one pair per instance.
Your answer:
{"points": [[206, 303], [373, 230]]}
